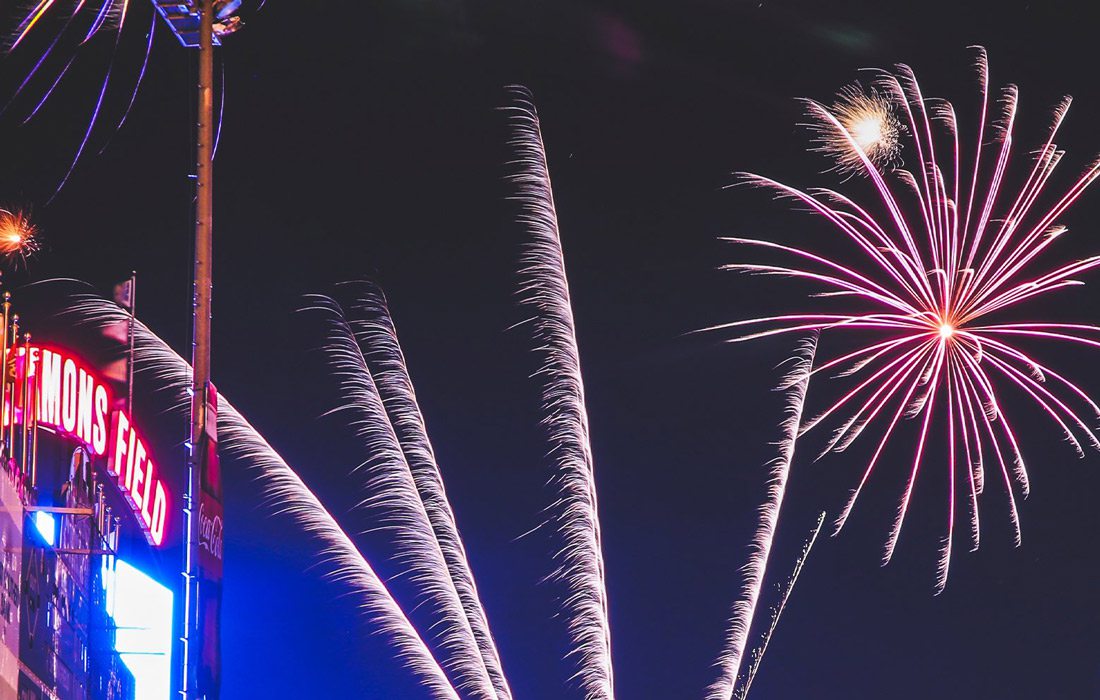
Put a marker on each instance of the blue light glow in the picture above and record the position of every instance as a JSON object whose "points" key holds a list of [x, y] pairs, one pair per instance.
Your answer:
{"points": [[142, 611], [46, 526]]}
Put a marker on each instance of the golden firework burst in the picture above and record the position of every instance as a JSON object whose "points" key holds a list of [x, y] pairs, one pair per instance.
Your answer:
{"points": [[17, 234], [868, 128]]}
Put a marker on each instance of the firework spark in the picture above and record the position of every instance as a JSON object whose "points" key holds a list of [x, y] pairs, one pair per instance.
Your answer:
{"points": [[17, 234], [925, 283], [796, 384], [575, 515], [869, 127], [283, 490], [369, 317]]}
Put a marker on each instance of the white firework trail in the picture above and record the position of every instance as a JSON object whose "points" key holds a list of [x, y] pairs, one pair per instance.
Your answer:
{"points": [[395, 504], [281, 488], [574, 514], [758, 655], [744, 609], [370, 320], [284, 490]]}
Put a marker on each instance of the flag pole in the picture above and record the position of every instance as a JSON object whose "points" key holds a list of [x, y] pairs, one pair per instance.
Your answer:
{"points": [[130, 343]]}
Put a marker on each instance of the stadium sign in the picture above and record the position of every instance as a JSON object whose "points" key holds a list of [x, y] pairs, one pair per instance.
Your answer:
{"points": [[75, 401]]}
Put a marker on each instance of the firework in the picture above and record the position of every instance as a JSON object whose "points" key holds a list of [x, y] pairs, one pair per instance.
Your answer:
{"points": [[868, 127], [405, 492], [777, 612], [744, 610], [575, 515], [102, 92], [283, 490], [285, 493], [82, 23], [921, 290], [68, 29], [396, 504], [17, 234], [369, 318]]}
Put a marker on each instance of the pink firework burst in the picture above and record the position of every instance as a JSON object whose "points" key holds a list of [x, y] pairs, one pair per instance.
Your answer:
{"points": [[950, 247]]}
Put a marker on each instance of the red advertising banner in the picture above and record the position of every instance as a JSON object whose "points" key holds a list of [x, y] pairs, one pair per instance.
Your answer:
{"points": [[211, 512], [211, 539]]}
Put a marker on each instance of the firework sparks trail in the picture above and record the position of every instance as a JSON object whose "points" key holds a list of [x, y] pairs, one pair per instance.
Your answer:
{"points": [[575, 513], [72, 10], [87, 20], [29, 21], [395, 503], [141, 77], [369, 317], [777, 612], [111, 13], [956, 249], [99, 101], [106, 10], [43, 57], [221, 116], [868, 118], [46, 96], [18, 236], [283, 489], [744, 609]]}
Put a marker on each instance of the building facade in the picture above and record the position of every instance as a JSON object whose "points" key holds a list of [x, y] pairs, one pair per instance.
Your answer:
{"points": [[89, 531]]}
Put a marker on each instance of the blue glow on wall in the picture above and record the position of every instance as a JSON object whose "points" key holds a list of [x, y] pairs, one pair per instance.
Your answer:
{"points": [[142, 611]]}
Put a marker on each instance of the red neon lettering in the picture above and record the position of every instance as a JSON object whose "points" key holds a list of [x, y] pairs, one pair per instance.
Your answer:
{"points": [[160, 512], [68, 396], [49, 389], [136, 492], [99, 428], [145, 500], [84, 407], [120, 427], [74, 401]]}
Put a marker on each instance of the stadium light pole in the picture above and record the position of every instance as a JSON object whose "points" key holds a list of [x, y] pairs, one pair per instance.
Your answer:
{"points": [[200, 349], [193, 25]]}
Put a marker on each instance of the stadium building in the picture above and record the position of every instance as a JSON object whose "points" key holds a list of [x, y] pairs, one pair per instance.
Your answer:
{"points": [[91, 524]]}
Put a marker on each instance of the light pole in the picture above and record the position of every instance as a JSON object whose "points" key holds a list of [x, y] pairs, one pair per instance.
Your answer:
{"points": [[200, 345], [193, 25]]}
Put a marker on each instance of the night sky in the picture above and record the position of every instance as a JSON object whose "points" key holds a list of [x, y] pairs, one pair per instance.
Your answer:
{"points": [[364, 140]]}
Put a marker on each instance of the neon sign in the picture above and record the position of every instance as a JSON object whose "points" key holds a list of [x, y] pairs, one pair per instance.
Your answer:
{"points": [[70, 399], [131, 463], [75, 402]]}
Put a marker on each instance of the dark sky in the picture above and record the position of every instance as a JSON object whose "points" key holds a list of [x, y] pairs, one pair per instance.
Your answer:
{"points": [[362, 139]]}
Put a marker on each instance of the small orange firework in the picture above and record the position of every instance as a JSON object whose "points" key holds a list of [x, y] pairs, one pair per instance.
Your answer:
{"points": [[870, 126], [17, 234]]}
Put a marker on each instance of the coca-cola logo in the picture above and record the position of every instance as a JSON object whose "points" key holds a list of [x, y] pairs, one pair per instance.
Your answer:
{"points": [[210, 532]]}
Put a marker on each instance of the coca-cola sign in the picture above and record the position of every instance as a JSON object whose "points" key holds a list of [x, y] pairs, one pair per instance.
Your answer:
{"points": [[210, 528]]}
